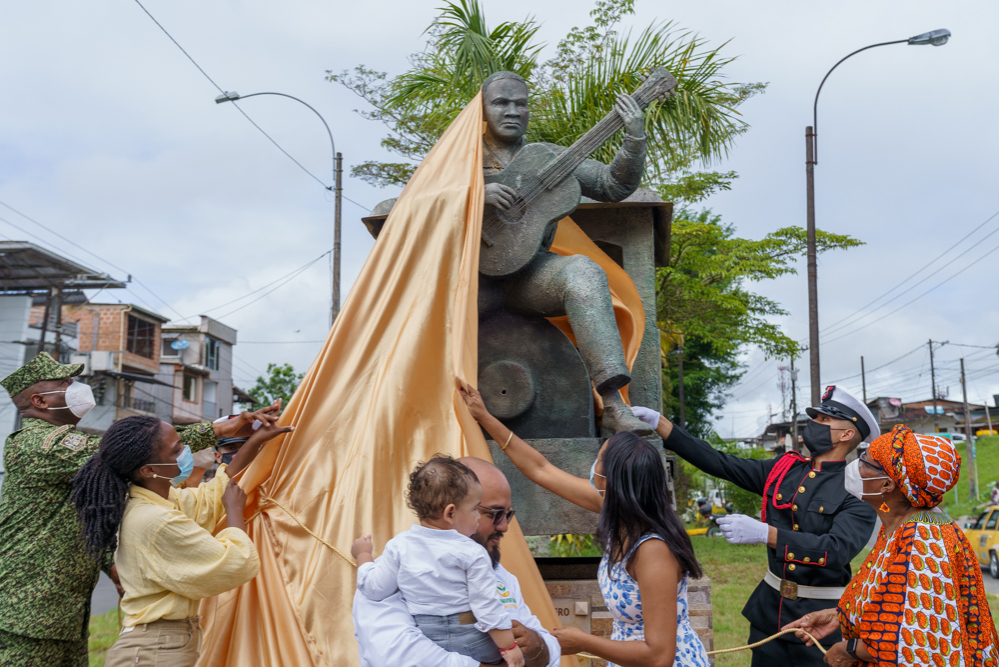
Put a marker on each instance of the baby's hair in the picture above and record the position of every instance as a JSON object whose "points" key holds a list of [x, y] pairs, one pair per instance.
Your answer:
{"points": [[439, 482]]}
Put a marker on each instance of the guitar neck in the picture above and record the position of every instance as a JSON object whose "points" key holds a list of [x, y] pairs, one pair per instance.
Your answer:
{"points": [[596, 136]]}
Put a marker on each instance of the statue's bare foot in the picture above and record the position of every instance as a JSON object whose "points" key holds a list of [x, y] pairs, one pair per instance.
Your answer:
{"points": [[619, 417]]}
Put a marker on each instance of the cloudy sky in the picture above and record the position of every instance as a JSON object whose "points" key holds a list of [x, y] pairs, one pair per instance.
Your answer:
{"points": [[109, 136]]}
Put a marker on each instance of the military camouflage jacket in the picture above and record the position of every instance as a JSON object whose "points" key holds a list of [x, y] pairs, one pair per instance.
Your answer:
{"points": [[46, 576]]}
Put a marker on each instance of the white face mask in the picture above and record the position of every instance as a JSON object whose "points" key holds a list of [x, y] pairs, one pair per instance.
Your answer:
{"points": [[854, 483], [79, 398]]}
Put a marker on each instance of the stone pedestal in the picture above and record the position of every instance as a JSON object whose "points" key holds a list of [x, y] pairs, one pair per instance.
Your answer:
{"points": [[568, 591]]}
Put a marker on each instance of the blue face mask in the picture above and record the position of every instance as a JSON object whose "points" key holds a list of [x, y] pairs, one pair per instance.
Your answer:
{"points": [[594, 473], [186, 464]]}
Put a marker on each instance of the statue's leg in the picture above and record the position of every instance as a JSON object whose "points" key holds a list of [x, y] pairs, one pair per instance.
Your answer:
{"points": [[575, 286]]}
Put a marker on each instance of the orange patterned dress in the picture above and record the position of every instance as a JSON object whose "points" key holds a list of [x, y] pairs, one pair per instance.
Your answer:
{"points": [[919, 598]]}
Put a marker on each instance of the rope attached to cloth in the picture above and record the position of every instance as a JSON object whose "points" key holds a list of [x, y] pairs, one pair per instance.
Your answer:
{"points": [[777, 474], [581, 655], [306, 529], [819, 646]]}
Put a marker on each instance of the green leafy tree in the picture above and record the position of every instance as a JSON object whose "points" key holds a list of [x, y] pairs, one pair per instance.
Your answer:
{"points": [[569, 93], [281, 382], [705, 304]]}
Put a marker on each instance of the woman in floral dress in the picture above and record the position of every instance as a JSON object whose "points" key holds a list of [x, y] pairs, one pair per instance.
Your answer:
{"points": [[648, 558], [919, 598]]}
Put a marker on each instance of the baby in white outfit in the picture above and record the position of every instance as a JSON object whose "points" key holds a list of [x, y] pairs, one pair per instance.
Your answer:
{"points": [[446, 579]]}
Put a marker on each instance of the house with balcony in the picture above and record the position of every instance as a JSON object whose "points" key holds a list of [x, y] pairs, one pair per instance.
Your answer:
{"points": [[118, 344], [195, 372]]}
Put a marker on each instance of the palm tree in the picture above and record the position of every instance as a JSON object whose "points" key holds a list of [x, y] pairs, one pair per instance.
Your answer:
{"points": [[569, 93]]}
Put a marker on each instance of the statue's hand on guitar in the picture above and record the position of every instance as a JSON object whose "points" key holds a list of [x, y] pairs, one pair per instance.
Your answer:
{"points": [[631, 114], [500, 196]]}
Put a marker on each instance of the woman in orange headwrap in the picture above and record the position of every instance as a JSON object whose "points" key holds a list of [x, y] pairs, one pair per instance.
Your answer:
{"points": [[918, 599]]}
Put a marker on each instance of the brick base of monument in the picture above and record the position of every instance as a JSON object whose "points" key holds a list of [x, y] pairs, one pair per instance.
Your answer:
{"points": [[601, 621]]}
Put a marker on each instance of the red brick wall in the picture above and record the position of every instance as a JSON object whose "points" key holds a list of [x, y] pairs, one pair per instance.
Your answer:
{"points": [[110, 329]]}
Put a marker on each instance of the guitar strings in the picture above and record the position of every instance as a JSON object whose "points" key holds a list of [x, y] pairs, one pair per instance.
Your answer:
{"points": [[564, 164]]}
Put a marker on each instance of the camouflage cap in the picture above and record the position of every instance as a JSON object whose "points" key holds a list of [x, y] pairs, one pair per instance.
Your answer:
{"points": [[42, 367]]}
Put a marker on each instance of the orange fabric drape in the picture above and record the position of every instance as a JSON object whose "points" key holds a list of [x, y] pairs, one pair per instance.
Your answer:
{"points": [[628, 310], [381, 396]]}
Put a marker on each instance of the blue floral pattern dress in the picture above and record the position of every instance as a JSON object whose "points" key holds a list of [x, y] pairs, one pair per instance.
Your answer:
{"points": [[624, 601]]}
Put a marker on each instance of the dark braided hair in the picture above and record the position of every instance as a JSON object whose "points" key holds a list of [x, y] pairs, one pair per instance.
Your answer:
{"points": [[100, 489]]}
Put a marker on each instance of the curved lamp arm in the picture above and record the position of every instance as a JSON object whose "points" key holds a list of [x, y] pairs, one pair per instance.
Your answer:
{"points": [[934, 38], [232, 96]]}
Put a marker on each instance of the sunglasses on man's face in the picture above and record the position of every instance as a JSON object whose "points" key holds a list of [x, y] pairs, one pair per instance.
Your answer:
{"points": [[497, 514]]}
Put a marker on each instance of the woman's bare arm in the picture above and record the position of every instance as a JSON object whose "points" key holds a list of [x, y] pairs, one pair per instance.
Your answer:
{"points": [[531, 462], [657, 573]]}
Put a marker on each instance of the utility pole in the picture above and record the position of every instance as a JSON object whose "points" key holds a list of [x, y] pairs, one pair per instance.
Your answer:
{"points": [[987, 415], [863, 379], [680, 367], [933, 381], [794, 406], [813, 289], [337, 190], [969, 446]]}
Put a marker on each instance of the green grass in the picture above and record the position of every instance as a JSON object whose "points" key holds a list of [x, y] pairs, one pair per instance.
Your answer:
{"points": [[987, 450], [103, 634], [735, 570]]}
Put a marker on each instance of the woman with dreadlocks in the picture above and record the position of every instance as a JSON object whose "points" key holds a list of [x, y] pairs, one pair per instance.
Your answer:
{"points": [[166, 555]]}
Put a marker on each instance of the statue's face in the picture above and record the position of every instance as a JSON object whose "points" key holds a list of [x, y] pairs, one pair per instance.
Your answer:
{"points": [[505, 108]]}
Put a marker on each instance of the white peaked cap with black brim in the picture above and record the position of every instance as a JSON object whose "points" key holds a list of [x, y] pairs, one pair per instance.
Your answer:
{"points": [[841, 404]]}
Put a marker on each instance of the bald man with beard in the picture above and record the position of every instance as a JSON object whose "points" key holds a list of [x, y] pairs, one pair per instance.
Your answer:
{"points": [[386, 633]]}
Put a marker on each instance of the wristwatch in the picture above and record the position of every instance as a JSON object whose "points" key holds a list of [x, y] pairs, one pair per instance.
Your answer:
{"points": [[851, 647]]}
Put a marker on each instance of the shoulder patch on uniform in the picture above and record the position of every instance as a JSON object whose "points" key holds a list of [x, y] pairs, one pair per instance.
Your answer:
{"points": [[51, 437], [74, 441]]}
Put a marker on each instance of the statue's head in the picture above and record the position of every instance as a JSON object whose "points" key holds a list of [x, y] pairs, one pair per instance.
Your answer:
{"points": [[504, 106]]}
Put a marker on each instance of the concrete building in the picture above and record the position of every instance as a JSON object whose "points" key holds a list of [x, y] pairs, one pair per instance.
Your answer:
{"points": [[195, 372]]}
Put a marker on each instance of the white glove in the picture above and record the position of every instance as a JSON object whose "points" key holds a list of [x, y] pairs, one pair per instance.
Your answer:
{"points": [[647, 415], [741, 529]]}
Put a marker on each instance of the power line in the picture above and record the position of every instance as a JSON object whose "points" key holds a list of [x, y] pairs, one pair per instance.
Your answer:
{"points": [[293, 274], [280, 342], [245, 115], [837, 325], [249, 303], [941, 283], [79, 247]]}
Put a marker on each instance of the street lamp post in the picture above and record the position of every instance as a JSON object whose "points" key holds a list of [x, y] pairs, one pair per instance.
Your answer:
{"points": [[336, 188], [935, 38]]}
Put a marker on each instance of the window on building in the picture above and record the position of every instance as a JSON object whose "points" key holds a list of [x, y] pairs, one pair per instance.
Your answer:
{"points": [[190, 387], [211, 391], [168, 351], [141, 337], [211, 354]]}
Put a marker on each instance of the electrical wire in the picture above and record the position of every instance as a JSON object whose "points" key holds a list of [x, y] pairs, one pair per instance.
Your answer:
{"points": [[245, 115], [293, 274], [941, 283], [249, 303], [838, 324]]}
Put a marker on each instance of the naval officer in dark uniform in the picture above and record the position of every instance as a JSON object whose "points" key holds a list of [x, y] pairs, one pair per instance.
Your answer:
{"points": [[812, 527]]}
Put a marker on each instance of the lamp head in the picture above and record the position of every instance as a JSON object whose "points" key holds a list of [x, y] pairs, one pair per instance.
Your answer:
{"points": [[934, 37], [232, 95]]}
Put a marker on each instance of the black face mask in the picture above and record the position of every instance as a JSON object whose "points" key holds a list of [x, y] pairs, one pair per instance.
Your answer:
{"points": [[228, 456], [817, 437]]}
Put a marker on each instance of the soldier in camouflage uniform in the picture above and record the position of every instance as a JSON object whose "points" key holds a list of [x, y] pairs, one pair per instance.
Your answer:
{"points": [[47, 577]]}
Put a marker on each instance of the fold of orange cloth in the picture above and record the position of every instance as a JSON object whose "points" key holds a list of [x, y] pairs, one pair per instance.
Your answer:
{"points": [[628, 310], [381, 396]]}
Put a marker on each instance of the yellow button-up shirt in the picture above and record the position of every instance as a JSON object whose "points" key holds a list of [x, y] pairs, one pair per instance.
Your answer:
{"points": [[167, 557]]}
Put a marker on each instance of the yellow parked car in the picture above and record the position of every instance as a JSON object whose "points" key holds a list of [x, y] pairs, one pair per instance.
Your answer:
{"points": [[983, 534]]}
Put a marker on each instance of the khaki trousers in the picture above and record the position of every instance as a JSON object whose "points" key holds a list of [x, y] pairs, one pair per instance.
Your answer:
{"points": [[158, 644]]}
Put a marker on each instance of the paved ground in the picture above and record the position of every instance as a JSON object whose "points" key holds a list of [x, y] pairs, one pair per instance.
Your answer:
{"points": [[991, 585]]}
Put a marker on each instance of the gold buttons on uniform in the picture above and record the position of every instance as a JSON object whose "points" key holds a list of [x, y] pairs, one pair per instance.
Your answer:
{"points": [[822, 561], [811, 474], [821, 509], [791, 567], [796, 526], [806, 559], [780, 497], [790, 556], [801, 489], [794, 508]]}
